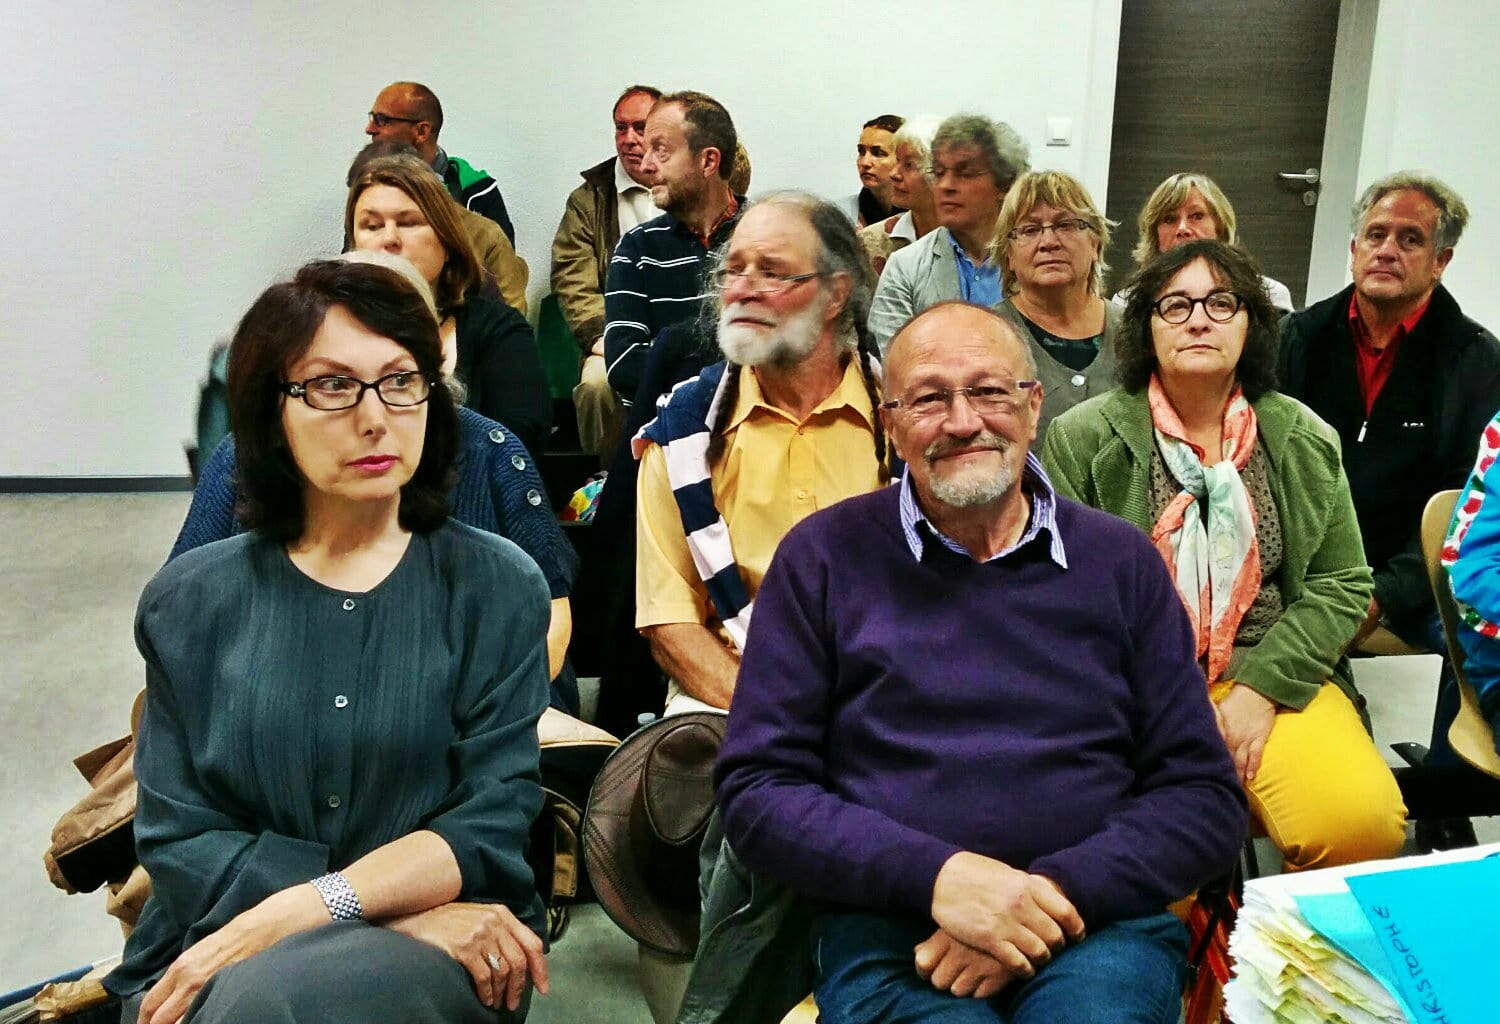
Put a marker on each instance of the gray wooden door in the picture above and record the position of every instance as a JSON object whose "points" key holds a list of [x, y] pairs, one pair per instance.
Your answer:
{"points": [[1236, 89]]}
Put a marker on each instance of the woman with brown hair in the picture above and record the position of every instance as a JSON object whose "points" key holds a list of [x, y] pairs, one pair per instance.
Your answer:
{"points": [[498, 489], [1244, 494], [337, 764], [396, 207]]}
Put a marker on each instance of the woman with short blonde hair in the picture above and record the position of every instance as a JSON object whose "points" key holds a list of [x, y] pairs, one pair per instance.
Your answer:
{"points": [[1186, 206], [1049, 244]]}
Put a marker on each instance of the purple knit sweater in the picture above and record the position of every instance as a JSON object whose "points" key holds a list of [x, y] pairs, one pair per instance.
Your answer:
{"points": [[891, 712]]}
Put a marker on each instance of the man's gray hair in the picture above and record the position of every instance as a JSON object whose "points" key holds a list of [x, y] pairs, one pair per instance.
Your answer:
{"points": [[1453, 214], [1004, 150], [839, 252]]}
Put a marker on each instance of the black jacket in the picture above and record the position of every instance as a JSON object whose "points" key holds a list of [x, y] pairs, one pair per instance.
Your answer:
{"points": [[500, 364], [1420, 437]]}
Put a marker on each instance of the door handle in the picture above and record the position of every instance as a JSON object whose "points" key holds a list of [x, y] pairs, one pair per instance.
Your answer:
{"points": [[1307, 177]]}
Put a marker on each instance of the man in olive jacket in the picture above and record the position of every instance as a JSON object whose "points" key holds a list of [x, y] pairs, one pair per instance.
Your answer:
{"points": [[614, 197]]}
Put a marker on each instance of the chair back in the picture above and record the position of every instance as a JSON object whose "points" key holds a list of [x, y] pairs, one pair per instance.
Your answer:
{"points": [[558, 347], [1470, 734]]}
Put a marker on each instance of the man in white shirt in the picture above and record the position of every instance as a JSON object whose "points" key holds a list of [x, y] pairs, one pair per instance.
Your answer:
{"points": [[615, 196]]}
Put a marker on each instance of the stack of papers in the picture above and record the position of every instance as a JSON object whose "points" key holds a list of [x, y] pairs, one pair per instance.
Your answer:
{"points": [[1384, 942]]}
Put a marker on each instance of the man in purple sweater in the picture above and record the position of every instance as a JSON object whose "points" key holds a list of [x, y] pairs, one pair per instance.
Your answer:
{"points": [[970, 722]]}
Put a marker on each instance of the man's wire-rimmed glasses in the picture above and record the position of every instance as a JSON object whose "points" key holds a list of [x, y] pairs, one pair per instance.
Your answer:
{"points": [[1001, 396], [760, 281]]}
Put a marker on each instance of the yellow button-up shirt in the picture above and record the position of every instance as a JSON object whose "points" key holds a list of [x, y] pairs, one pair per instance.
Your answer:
{"points": [[775, 471]]}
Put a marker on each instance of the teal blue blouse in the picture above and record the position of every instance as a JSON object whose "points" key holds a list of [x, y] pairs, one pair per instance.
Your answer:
{"points": [[290, 728]]}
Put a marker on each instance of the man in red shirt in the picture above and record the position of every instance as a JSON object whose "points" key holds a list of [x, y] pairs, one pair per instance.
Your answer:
{"points": [[1407, 380]]}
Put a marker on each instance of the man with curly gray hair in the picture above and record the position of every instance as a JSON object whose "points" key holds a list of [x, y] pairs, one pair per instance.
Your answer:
{"points": [[974, 161], [1407, 380]]}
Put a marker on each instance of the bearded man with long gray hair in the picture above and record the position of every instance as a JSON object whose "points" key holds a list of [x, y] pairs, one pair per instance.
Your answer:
{"points": [[736, 457]]}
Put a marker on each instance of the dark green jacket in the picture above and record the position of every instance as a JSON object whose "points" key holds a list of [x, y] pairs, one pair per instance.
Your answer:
{"points": [[1100, 453]]}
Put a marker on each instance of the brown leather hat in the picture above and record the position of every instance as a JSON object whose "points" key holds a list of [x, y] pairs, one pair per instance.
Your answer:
{"points": [[645, 821]]}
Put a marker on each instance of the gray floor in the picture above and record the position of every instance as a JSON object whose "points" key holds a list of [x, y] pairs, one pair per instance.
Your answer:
{"points": [[73, 568]]}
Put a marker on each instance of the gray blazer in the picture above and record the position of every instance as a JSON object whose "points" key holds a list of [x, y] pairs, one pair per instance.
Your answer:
{"points": [[1062, 386], [920, 275]]}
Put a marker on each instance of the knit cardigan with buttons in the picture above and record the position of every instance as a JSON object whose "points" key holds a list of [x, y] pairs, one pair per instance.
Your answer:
{"points": [[1062, 386], [1100, 453]]}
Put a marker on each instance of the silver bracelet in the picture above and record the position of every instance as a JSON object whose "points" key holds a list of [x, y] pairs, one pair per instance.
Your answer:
{"points": [[339, 896]]}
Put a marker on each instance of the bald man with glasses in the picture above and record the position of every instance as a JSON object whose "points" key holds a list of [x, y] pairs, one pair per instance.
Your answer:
{"points": [[409, 112], [970, 734]]}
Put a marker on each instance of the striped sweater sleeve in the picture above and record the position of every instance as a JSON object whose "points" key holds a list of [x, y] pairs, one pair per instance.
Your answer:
{"points": [[628, 321]]}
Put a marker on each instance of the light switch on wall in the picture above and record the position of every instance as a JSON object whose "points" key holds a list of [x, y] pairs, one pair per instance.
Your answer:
{"points": [[1059, 131]]}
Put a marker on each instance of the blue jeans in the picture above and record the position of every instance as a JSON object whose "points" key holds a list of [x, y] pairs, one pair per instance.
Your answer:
{"points": [[1129, 972]]}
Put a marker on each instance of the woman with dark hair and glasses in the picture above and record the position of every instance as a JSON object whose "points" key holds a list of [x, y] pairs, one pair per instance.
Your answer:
{"points": [[337, 765], [498, 489], [1244, 494]]}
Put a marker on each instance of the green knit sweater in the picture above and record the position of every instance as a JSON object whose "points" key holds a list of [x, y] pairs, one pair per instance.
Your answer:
{"points": [[1100, 453]]}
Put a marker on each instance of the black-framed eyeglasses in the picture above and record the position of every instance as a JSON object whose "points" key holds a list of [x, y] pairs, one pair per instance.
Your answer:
{"points": [[996, 397], [1178, 309], [761, 281], [381, 120], [399, 390], [1065, 230]]}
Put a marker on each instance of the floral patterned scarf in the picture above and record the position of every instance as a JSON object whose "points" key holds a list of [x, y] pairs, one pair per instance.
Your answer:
{"points": [[1215, 558]]}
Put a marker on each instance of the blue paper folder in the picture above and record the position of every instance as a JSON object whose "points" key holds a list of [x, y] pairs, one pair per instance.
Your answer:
{"points": [[1439, 928]]}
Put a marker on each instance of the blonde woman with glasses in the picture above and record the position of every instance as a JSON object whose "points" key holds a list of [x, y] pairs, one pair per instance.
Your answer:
{"points": [[1049, 244]]}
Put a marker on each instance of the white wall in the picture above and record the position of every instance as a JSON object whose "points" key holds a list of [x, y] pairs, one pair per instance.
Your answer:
{"points": [[169, 160], [1431, 103]]}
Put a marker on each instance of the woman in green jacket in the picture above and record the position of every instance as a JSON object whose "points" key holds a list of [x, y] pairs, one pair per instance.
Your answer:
{"points": [[1244, 494]]}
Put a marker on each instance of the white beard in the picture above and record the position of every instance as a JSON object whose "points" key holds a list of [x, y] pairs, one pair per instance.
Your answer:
{"points": [[975, 486], [786, 344]]}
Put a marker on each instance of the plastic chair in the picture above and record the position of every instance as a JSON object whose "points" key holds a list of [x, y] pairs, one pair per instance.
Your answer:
{"points": [[1470, 734], [1457, 791], [558, 347]]}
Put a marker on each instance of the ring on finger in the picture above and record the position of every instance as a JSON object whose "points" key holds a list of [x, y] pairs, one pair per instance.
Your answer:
{"points": [[494, 962]]}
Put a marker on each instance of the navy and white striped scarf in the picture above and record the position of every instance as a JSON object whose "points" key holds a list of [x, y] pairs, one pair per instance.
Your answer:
{"points": [[681, 428]]}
